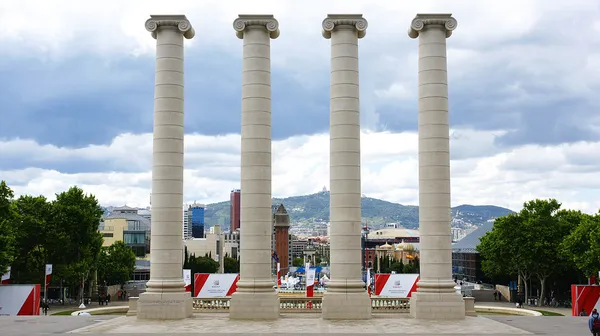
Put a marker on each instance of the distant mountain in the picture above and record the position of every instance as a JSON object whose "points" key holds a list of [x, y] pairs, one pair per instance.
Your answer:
{"points": [[376, 212]]}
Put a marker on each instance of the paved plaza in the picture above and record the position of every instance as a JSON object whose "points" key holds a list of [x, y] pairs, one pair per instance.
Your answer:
{"points": [[310, 324]]}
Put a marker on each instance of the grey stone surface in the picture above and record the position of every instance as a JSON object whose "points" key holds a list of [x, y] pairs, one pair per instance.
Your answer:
{"points": [[45, 325], [293, 324]]}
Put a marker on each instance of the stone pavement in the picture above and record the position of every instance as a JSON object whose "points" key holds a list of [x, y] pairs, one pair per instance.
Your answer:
{"points": [[295, 324], [559, 310]]}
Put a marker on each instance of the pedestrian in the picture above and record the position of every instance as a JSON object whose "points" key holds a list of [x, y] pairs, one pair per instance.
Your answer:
{"points": [[583, 312], [594, 323], [495, 295], [107, 299], [45, 307], [100, 300]]}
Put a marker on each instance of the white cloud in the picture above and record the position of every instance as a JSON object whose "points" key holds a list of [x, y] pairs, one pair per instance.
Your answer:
{"points": [[301, 166]]}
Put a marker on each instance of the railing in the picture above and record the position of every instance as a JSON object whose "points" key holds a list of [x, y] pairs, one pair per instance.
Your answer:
{"points": [[390, 305], [303, 305], [300, 305]]}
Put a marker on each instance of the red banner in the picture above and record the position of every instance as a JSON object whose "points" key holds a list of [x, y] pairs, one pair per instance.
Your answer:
{"points": [[584, 298]]}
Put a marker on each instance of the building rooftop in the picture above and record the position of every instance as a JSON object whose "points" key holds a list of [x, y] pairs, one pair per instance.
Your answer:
{"points": [[392, 233]]}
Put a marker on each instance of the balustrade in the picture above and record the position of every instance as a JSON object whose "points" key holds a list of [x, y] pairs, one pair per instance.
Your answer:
{"points": [[303, 305]]}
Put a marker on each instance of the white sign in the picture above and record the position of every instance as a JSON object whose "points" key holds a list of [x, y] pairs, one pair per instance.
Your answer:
{"points": [[214, 285], [187, 277], [395, 285], [310, 277], [48, 269], [19, 300]]}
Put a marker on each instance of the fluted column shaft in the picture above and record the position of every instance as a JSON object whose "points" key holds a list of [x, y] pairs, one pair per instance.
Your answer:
{"points": [[346, 297], [255, 297], [344, 153], [256, 214], [167, 155], [434, 155]]}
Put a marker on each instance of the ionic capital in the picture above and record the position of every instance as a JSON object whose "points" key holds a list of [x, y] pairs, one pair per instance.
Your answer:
{"points": [[443, 21], [267, 21], [334, 20], [180, 22]]}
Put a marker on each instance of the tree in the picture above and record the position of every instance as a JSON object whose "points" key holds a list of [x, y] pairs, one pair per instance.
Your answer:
{"points": [[116, 264], [202, 264], [502, 251], [529, 243], [75, 218], [231, 265], [582, 246], [7, 234], [298, 262]]}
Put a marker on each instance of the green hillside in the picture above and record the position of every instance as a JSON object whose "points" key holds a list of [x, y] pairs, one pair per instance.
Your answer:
{"points": [[376, 212]]}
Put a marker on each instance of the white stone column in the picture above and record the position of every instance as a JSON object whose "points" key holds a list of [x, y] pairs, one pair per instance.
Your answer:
{"points": [[255, 297], [165, 297], [346, 297], [436, 297]]}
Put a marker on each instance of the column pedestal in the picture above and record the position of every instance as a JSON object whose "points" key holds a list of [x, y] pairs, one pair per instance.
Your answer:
{"points": [[437, 306], [346, 306], [254, 306], [164, 306]]}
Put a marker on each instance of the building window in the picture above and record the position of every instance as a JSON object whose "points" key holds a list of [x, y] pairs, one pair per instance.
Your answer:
{"points": [[107, 235]]}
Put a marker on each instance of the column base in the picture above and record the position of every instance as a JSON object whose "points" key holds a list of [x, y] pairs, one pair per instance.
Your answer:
{"points": [[437, 306], [346, 306], [164, 306], [254, 306]]}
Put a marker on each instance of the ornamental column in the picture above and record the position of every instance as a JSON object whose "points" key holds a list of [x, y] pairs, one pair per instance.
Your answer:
{"points": [[165, 297], [435, 297], [255, 297], [346, 297]]}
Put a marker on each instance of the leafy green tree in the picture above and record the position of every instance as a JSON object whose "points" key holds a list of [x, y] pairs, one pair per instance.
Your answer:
{"points": [[7, 234], [397, 266], [36, 239], [529, 243], [298, 262], [582, 246], [75, 218], [231, 265], [116, 264], [203, 264]]}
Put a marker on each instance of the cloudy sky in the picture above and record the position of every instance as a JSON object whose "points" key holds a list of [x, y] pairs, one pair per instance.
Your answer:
{"points": [[76, 95]]}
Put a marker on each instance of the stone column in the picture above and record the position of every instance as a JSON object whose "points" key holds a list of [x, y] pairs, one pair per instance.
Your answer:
{"points": [[165, 297], [435, 297], [346, 297], [255, 297]]}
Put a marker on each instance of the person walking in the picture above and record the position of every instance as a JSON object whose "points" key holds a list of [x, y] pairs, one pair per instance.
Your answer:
{"points": [[594, 323], [495, 295]]}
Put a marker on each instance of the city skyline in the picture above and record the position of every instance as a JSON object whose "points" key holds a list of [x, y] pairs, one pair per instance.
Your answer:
{"points": [[522, 122]]}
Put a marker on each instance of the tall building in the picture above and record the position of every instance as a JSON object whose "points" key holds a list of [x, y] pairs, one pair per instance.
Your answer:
{"points": [[234, 209], [125, 224], [197, 211], [281, 237], [187, 222]]}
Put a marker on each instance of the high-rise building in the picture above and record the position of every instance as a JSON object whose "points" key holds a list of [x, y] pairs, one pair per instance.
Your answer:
{"points": [[234, 209], [197, 211], [187, 222]]}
